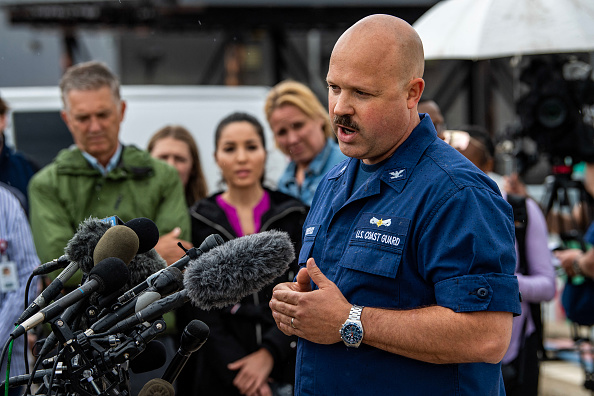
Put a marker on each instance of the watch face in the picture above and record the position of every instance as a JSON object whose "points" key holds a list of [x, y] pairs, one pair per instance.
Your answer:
{"points": [[352, 333]]}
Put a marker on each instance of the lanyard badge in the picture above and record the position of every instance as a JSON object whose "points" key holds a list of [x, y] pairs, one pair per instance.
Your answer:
{"points": [[9, 280]]}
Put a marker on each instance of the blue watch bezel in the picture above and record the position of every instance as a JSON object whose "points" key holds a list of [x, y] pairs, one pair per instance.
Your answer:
{"points": [[352, 333]]}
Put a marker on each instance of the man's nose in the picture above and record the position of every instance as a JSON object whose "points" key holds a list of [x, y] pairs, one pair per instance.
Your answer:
{"points": [[342, 105], [94, 125]]}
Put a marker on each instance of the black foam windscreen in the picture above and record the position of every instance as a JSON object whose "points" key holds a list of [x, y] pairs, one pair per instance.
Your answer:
{"points": [[147, 231], [194, 335], [112, 273]]}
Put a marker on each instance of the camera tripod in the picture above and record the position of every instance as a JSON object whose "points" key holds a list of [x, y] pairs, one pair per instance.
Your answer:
{"points": [[567, 205], [567, 196]]}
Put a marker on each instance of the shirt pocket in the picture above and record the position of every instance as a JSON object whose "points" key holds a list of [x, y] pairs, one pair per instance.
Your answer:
{"points": [[376, 245]]}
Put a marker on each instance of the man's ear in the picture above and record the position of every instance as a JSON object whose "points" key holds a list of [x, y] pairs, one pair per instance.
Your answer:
{"points": [[415, 90], [122, 110], [64, 116]]}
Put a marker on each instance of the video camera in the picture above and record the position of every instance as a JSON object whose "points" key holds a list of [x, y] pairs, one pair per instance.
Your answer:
{"points": [[555, 107]]}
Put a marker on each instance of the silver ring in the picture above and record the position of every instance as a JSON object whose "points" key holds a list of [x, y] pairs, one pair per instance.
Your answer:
{"points": [[292, 325]]}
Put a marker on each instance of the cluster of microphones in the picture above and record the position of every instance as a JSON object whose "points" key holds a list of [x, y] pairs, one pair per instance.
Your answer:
{"points": [[115, 315]]}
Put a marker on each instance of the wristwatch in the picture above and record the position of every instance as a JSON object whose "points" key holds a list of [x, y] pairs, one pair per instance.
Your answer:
{"points": [[351, 331]]}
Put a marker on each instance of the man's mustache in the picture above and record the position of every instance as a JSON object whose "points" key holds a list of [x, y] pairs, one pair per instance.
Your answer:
{"points": [[345, 121]]}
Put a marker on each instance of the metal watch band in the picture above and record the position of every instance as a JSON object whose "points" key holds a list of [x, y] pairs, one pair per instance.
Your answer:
{"points": [[355, 313]]}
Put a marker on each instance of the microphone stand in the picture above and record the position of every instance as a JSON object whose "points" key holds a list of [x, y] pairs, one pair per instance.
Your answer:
{"points": [[90, 365], [88, 368]]}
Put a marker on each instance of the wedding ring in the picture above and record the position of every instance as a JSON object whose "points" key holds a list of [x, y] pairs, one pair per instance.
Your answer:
{"points": [[292, 325]]}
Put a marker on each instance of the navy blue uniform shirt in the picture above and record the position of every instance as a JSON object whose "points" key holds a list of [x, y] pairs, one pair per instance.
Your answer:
{"points": [[427, 228]]}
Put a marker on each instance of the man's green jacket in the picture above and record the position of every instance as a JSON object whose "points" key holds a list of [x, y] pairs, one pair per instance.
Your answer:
{"points": [[69, 190]]}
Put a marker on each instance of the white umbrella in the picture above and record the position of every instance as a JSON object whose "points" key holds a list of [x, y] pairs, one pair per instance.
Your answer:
{"points": [[486, 29]]}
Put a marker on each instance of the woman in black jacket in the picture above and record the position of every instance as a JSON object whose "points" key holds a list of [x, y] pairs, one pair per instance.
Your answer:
{"points": [[245, 353]]}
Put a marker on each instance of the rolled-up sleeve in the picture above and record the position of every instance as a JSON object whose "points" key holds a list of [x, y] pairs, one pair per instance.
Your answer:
{"points": [[489, 292], [468, 252]]}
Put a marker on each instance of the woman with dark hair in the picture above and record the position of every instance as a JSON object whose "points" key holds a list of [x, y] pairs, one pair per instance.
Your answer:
{"points": [[246, 353], [175, 145]]}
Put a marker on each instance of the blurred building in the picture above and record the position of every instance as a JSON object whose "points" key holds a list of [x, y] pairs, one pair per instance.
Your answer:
{"points": [[182, 42]]}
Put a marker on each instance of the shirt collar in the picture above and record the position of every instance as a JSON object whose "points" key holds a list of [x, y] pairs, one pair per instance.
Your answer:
{"points": [[110, 165], [403, 161]]}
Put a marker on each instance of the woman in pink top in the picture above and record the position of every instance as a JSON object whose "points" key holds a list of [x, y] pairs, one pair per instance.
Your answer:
{"points": [[246, 353]]}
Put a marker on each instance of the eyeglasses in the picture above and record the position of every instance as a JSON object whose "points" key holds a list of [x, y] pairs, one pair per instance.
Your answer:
{"points": [[457, 139]]}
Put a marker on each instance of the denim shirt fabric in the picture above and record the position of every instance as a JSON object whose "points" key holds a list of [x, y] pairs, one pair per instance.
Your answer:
{"points": [[321, 164]]}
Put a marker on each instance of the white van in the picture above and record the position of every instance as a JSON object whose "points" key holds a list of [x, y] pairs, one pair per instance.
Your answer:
{"points": [[36, 128]]}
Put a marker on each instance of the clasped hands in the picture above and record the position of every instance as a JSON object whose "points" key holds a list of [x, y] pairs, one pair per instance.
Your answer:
{"points": [[315, 315]]}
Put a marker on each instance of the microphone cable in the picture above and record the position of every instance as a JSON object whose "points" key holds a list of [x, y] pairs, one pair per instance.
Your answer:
{"points": [[7, 347], [26, 343], [32, 375], [51, 379]]}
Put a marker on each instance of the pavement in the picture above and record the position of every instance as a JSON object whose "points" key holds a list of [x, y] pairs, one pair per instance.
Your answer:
{"points": [[563, 375], [562, 378]]}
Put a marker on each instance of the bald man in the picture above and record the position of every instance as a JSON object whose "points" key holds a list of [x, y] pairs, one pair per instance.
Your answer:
{"points": [[407, 285]]}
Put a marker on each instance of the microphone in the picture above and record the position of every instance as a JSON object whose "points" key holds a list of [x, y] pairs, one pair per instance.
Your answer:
{"points": [[24, 378], [192, 339], [68, 316], [143, 265], [112, 220], [224, 275], [157, 387], [238, 268], [210, 242], [118, 241], [168, 281], [81, 246], [51, 266], [78, 250], [109, 275], [152, 312], [147, 231], [152, 358]]}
